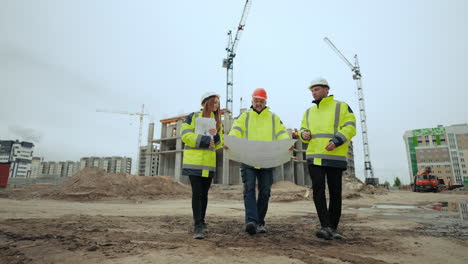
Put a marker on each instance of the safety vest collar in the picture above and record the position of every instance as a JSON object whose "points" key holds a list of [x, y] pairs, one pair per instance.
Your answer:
{"points": [[262, 113], [324, 100]]}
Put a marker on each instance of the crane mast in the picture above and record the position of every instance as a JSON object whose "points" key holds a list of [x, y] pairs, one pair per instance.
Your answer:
{"points": [[368, 171], [231, 48]]}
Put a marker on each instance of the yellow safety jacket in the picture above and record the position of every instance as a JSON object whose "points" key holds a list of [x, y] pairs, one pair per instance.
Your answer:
{"points": [[328, 120], [263, 126], [199, 159]]}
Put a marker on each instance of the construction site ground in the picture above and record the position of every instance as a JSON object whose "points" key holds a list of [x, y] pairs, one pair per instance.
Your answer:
{"points": [[379, 226]]}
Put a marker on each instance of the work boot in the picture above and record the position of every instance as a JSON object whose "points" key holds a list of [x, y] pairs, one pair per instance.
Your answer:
{"points": [[261, 229], [198, 232], [251, 228], [324, 233], [205, 228], [336, 235]]}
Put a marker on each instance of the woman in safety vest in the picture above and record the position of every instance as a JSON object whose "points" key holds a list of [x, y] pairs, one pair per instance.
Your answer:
{"points": [[199, 162]]}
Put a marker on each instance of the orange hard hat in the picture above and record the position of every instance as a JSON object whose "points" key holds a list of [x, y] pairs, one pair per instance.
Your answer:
{"points": [[260, 93]]}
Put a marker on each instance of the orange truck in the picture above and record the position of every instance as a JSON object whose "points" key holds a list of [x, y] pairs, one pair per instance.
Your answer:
{"points": [[426, 182]]}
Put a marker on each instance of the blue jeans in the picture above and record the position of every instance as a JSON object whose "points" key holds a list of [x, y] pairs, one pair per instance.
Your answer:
{"points": [[255, 210]]}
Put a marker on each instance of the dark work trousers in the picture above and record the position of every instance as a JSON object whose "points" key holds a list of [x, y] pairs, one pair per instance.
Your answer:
{"points": [[328, 217], [200, 188], [255, 210]]}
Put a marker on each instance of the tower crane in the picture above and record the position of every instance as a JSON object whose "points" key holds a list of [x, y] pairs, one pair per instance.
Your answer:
{"points": [[368, 171], [231, 54], [141, 115]]}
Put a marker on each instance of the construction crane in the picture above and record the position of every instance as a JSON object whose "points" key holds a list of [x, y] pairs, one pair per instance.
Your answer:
{"points": [[231, 54], [368, 171], [141, 115]]}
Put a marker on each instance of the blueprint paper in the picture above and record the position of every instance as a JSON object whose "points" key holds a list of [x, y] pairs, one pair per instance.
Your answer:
{"points": [[203, 125], [259, 153]]}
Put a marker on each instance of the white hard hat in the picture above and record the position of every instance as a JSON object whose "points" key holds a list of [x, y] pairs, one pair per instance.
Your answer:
{"points": [[319, 81], [208, 95]]}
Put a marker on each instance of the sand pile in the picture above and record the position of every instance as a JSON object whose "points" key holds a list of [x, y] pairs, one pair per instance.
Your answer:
{"points": [[286, 191], [352, 184], [287, 186], [353, 188], [95, 184]]}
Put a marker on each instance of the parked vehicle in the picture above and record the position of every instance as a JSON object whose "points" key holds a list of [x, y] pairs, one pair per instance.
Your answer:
{"points": [[424, 183], [441, 185]]}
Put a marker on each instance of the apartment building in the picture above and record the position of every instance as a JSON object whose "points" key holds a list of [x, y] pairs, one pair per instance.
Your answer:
{"points": [[61, 169], [19, 154], [109, 164], [148, 163], [35, 166], [444, 149]]}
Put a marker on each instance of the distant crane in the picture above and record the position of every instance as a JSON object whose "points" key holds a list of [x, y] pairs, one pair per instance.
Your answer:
{"points": [[368, 171], [141, 115], [231, 54]]}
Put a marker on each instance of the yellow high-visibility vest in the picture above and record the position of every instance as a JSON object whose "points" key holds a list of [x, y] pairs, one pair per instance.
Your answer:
{"points": [[265, 126], [328, 120], [199, 159]]}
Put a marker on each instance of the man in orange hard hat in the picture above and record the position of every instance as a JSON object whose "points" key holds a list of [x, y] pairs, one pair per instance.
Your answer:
{"points": [[259, 123]]}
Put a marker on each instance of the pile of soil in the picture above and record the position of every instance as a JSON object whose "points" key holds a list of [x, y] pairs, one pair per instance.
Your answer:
{"points": [[287, 186], [96, 184], [352, 184], [286, 191]]}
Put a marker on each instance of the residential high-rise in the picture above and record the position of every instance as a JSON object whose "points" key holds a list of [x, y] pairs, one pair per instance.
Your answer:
{"points": [[444, 149], [109, 164], [19, 154], [148, 162], [36, 166]]}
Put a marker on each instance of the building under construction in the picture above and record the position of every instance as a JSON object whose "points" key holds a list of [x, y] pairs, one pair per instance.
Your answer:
{"points": [[163, 157]]}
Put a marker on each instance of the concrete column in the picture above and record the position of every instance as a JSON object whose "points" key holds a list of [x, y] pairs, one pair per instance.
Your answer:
{"points": [[299, 166], [290, 171], [178, 155], [307, 180], [162, 147], [225, 179], [149, 150], [235, 176], [281, 173]]}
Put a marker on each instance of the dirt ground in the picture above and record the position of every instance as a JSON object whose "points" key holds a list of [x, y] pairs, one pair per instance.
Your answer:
{"points": [[379, 227]]}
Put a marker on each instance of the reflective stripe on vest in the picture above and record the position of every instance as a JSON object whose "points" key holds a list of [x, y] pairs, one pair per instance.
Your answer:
{"points": [[337, 116], [350, 123], [207, 149], [321, 136], [198, 167], [325, 156], [188, 130], [237, 128]]}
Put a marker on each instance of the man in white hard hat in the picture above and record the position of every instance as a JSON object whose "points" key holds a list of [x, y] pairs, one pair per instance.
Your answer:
{"points": [[327, 127]]}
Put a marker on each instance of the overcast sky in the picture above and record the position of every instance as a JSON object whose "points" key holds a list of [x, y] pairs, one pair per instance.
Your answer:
{"points": [[60, 60]]}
